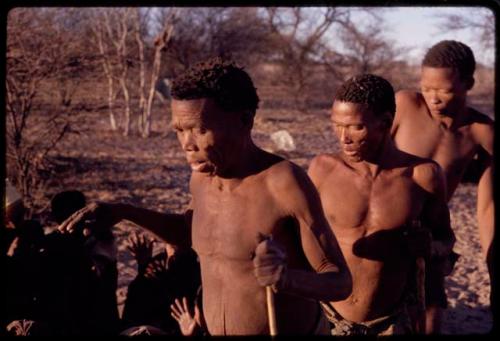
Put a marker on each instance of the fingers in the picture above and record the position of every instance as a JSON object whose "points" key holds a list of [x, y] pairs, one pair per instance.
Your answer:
{"points": [[139, 242], [131, 244], [155, 269], [77, 219], [185, 304], [179, 306], [176, 310], [268, 246], [269, 263], [71, 224], [269, 275]]}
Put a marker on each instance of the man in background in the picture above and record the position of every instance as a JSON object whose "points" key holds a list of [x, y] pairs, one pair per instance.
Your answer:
{"points": [[437, 123]]}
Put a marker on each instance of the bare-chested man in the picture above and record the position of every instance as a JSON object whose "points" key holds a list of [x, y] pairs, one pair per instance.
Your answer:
{"points": [[372, 195], [438, 124], [238, 191]]}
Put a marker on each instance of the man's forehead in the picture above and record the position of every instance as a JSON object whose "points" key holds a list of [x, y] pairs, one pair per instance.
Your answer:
{"points": [[194, 105], [443, 73], [349, 108], [203, 108], [352, 113]]}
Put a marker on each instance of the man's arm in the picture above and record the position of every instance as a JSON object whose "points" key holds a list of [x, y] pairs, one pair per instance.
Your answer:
{"points": [[319, 169], [485, 200], [172, 228], [332, 280], [400, 106], [435, 213]]}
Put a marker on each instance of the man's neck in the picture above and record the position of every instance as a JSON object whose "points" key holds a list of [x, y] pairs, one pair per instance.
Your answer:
{"points": [[373, 166], [451, 122], [245, 164]]}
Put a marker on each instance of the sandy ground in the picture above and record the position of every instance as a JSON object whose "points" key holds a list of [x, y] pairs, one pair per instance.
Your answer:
{"points": [[152, 173], [468, 286]]}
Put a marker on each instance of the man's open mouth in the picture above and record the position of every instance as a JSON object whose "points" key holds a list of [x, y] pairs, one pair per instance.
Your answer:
{"points": [[198, 165]]}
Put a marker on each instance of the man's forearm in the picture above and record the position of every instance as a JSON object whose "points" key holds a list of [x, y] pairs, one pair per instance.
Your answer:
{"points": [[325, 286], [486, 225], [172, 228], [486, 209]]}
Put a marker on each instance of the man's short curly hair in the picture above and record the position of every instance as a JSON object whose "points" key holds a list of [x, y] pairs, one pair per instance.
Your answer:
{"points": [[222, 80], [451, 54], [369, 90]]}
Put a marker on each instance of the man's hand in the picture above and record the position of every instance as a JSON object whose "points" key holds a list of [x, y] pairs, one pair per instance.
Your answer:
{"points": [[180, 313], [141, 247], [93, 216], [269, 263], [156, 269]]}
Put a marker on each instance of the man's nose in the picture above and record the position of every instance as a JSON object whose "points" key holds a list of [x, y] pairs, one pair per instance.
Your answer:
{"points": [[434, 99], [345, 136], [188, 142]]}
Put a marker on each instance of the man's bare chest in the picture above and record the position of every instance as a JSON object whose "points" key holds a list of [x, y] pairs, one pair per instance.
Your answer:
{"points": [[383, 203], [429, 139], [227, 224]]}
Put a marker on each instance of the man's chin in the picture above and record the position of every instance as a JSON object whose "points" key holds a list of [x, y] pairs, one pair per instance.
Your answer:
{"points": [[202, 167], [353, 157]]}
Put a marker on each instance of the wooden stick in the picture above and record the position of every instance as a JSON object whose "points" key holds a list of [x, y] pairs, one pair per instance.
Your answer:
{"points": [[420, 324], [271, 312]]}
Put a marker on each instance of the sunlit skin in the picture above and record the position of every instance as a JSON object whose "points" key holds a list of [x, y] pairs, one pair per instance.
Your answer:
{"points": [[369, 191], [438, 124], [238, 191]]}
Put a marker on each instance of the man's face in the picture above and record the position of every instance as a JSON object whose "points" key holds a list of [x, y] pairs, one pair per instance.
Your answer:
{"points": [[208, 135], [360, 133], [443, 90]]}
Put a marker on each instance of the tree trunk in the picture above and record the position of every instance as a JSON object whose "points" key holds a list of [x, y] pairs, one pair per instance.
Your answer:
{"points": [[149, 104], [126, 97], [112, 119], [160, 44], [142, 74]]}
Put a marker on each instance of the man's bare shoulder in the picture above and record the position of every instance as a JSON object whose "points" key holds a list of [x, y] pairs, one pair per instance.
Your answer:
{"points": [[482, 126], [322, 165], [283, 172], [428, 174], [287, 177], [407, 101]]}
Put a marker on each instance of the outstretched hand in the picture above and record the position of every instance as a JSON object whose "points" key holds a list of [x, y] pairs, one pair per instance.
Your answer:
{"points": [[95, 216], [141, 247], [156, 269], [269, 263], [181, 314]]}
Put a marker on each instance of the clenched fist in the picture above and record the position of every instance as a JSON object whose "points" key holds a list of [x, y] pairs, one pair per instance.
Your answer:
{"points": [[269, 263]]}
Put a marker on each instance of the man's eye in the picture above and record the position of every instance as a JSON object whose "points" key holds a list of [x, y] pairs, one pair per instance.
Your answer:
{"points": [[203, 130]]}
